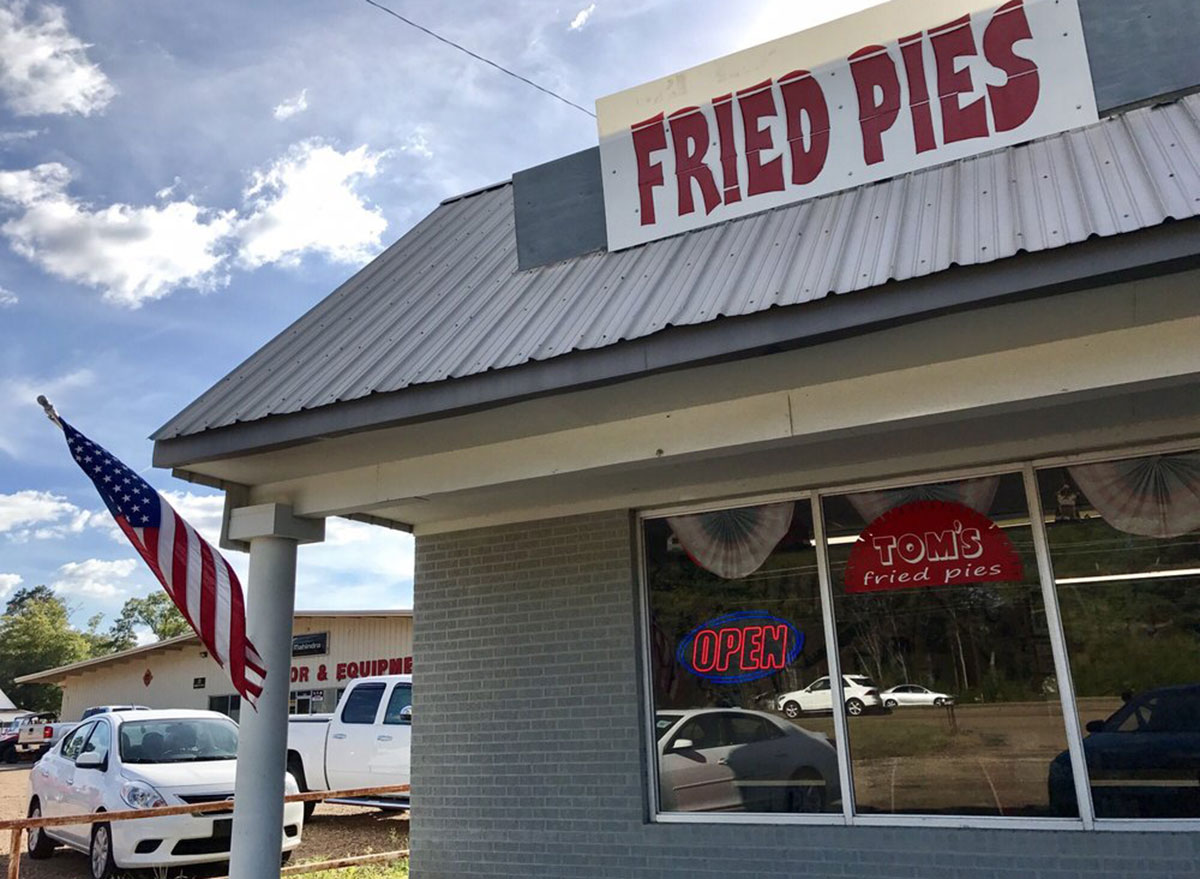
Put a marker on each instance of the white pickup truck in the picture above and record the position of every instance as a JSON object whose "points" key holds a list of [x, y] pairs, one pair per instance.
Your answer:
{"points": [[39, 732], [364, 743]]}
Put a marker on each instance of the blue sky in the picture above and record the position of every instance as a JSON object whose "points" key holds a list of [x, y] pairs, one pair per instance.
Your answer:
{"points": [[179, 181]]}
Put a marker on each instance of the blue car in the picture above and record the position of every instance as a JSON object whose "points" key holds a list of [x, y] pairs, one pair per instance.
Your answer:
{"points": [[1143, 761]]}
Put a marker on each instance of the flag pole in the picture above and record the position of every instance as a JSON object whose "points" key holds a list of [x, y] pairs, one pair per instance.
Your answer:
{"points": [[50, 411]]}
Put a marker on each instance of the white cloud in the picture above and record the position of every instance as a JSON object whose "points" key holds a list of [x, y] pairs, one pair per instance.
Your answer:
{"points": [[23, 425], [8, 137], [9, 582], [417, 143], [307, 202], [289, 108], [7, 297], [581, 18], [95, 578], [202, 511], [44, 68], [20, 511], [131, 253]]}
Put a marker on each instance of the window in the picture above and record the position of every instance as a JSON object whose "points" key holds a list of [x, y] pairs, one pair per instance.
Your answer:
{"points": [[363, 703], [230, 706], [73, 742], [736, 631], [938, 584], [99, 741], [1124, 541], [400, 699], [954, 608]]}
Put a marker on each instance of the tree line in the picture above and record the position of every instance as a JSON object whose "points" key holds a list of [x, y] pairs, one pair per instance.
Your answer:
{"points": [[36, 634]]}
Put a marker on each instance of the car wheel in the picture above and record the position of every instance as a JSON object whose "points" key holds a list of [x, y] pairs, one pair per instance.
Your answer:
{"points": [[8, 754], [890, 703], [854, 707], [806, 797], [939, 701], [791, 709], [284, 858], [296, 768], [100, 854], [37, 843]]}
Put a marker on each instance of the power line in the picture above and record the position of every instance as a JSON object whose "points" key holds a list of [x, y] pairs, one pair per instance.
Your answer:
{"points": [[478, 57]]}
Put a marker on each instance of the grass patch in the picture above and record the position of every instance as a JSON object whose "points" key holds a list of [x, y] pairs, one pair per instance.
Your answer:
{"points": [[398, 870], [898, 737]]}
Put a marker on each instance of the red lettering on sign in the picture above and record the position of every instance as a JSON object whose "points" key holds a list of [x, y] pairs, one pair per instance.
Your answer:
{"points": [[775, 646], [878, 89], [959, 121], [729, 643], [803, 98], [757, 104], [931, 543], [1014, 102], [649, 137], [912, 50], [689, 137], [723, 110], [704, 650], [322, 673], [341, 671]]}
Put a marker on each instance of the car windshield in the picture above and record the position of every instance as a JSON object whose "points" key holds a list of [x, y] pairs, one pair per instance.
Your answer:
{"points": [[664, 722], [182, 740], [1166, 711]]}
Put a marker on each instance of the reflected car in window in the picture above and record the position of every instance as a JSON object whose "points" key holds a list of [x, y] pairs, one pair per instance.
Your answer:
{"points": [[738, 760], [1143, 761], [860, 692], [913, 694]]}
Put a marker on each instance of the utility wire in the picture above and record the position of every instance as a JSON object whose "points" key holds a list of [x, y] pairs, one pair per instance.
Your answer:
{"points": [[477, 57]]}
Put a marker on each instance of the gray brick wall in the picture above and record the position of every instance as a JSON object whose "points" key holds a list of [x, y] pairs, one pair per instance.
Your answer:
{"points": [[527, 750]]}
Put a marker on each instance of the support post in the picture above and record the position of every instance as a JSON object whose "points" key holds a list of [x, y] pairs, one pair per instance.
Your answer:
{"points": [[273, 534]]}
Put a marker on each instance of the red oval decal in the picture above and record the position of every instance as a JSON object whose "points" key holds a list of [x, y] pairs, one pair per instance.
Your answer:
{"points": [[931, 543]]}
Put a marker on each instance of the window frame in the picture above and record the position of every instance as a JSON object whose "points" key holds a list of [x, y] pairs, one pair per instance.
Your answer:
{"points": [[1027, 470]]}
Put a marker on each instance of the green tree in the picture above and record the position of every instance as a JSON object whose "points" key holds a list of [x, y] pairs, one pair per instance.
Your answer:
{"points": [[35, 635], [156, 612], [26, 594]]}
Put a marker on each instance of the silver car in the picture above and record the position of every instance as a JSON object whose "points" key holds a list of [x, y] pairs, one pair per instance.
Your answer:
{"points": [[730, 759]]}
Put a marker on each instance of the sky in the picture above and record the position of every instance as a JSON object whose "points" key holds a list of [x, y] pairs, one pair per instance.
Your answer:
{"points": [[180, 181]]}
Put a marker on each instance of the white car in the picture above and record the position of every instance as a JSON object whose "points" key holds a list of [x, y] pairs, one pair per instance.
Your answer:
{"points": [[124, 760], [912, 694], [860, 692], [730, 759]]}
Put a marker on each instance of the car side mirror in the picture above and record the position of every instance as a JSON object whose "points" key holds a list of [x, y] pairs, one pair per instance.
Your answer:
{"points": [[406, 714], [683, 745], [89, 760], [1095, 726]]}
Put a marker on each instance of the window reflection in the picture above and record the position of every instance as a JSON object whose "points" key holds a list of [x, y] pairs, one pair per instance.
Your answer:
{"points": [[950, 691], [1125, 547], [723, 743]]}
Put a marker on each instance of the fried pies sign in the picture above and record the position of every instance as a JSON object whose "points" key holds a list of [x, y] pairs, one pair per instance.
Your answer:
{"points": [[928, 544], [791, 120]]}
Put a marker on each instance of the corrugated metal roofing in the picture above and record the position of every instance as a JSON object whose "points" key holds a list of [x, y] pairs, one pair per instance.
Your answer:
{"points": [[447, 300]]}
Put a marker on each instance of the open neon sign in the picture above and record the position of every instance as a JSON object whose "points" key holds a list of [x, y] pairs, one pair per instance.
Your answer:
{"points": [[740, 647]]}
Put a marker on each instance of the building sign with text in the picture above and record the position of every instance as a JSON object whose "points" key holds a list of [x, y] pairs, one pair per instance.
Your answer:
{"points": [[789, 124], [926, 544]]}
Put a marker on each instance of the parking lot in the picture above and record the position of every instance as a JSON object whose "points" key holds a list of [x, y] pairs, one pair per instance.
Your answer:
{"points": [[333, 832]]}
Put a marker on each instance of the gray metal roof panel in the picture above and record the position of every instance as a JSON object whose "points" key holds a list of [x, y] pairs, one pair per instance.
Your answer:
{"points": [[447, 300]]}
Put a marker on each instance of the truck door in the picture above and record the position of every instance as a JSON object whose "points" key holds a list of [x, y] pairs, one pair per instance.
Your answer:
{"points": [[390, 762], [351, 743]]}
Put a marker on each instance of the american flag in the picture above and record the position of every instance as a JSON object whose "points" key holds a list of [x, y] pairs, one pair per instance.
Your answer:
{"points": [[201, 583]]}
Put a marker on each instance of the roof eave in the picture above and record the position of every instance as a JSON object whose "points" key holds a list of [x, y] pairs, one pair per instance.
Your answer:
{"points": [[1173, 246]]}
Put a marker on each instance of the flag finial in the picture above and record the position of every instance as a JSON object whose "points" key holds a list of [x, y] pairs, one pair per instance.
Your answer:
{"points": [[49, 409]]}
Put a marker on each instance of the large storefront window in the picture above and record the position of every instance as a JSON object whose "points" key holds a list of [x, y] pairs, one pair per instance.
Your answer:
{"points": [[1124, 541], [951, 696], [945, 687], [735, 624]]}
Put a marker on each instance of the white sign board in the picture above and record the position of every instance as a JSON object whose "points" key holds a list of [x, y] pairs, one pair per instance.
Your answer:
{"points": [[783, 129]]}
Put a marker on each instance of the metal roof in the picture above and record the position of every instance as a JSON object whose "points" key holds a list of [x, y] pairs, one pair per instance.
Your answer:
{"points": [[447, 299]]}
